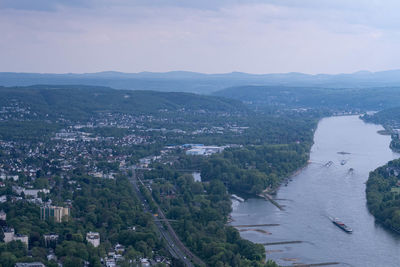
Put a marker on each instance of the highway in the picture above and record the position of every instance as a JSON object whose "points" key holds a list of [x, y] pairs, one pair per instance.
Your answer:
{"points": [[174, 245]]}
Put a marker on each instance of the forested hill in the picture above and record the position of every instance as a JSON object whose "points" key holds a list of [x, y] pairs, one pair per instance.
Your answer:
{"points": [[387, 117], [80, 102], [308, 97]]}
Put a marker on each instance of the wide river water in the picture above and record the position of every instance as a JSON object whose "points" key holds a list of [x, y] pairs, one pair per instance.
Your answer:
{"points": [[319, 192]]}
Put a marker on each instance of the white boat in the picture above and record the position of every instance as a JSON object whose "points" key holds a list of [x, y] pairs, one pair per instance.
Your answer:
{"points": [[237, 198]]}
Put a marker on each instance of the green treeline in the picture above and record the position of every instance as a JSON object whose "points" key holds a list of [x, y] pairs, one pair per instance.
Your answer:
{"points": [[255, 168], [82, 102], [27, 130], [390, 119], [201, 211], [383, 194], [339, 99], [383, 190]]}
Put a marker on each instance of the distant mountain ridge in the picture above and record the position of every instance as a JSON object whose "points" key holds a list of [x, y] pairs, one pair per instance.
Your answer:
{"points": [[184, 81]]}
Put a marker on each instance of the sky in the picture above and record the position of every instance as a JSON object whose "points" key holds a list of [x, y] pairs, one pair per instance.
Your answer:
{"points": [[209, 36]]}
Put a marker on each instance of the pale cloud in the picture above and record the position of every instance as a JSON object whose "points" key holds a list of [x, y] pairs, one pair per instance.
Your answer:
{"points": [[312, 36]]}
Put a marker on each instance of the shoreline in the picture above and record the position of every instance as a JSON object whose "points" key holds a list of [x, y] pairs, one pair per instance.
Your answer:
{"points": [[288, 217], [267, 193], [287, 178]]}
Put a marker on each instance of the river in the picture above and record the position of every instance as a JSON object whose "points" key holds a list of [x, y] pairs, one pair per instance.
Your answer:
{"points": [[318, 192]]}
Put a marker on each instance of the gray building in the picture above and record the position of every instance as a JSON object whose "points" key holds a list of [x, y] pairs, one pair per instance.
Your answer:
{"points": [[29, 264]]}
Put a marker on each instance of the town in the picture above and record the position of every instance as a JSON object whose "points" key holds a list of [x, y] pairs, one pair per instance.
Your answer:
{"points": [[41, 172]]}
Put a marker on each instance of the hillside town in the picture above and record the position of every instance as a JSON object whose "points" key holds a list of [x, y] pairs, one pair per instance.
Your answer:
{"points": [[103, 148]]}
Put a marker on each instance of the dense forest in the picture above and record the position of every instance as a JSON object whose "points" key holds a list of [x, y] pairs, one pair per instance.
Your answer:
{"points": [[200, 212], [252, 169], [383, 194], [81, 102]]}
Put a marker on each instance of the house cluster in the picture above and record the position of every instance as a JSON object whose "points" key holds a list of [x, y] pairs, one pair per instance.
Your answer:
{"points": [[73, 135], [146, 161], [86, 144], [10, 235], [26, 194], [46, 212], [4, 177], [112, 259], [24, 164], [57, 159], [9, 232], [16, 111], [116, 254]]}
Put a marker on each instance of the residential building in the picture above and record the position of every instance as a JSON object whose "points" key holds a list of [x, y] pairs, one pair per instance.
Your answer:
{"points": [[51, 256], [29, 264], [50, 240], [110, 262], [22, 238], [120, 249], [54, 212], [93, 238], [34, 192], [8, 234], [144, 262], [3, 215], [29, 192]]}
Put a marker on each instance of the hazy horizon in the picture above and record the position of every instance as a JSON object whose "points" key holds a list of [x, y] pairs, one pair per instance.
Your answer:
{"points": [[206, 73], [257, 36]]}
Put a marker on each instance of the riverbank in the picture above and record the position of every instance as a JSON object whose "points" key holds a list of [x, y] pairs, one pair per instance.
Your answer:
{"points": [[389, 128], [267, 193], [381, 200], [318, 192]]}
